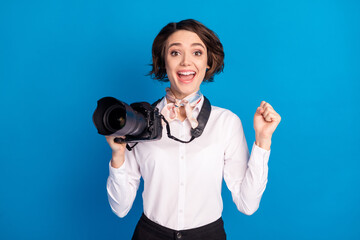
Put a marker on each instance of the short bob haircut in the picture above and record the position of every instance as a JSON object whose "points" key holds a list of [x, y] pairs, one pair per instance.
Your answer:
{"points": [[214, 47]]}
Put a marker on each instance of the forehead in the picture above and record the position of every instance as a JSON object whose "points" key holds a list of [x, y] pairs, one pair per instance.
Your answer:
{"points": [[184, 37]]}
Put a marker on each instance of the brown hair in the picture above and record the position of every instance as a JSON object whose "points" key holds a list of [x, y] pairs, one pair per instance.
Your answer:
{"points": [[214, 47]]}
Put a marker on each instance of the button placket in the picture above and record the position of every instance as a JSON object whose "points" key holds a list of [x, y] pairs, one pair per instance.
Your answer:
{"points": [[182, 175]]}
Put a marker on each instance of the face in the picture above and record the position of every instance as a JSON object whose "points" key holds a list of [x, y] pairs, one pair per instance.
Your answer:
{"points": [[185, 62]]}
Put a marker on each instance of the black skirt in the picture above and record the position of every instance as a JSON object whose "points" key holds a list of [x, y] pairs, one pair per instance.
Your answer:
{"points": [[149, 230]]}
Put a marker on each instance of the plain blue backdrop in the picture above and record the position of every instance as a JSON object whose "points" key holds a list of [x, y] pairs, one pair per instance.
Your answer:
{"points": [[57, 58]]}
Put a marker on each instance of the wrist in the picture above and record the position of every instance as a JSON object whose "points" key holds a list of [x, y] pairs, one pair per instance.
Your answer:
{"points": [[117, 159], [263, 143]]}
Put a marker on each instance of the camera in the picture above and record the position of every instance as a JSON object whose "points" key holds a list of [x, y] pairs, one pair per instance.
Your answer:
{"points": [[137, 122]]}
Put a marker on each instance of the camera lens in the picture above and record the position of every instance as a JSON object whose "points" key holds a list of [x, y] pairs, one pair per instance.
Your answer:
{"points": [[114, 117]]}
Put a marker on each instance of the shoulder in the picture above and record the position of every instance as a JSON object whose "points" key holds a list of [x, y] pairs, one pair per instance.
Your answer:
{"points": [[223, 113], [225, 117], [225, 124]]}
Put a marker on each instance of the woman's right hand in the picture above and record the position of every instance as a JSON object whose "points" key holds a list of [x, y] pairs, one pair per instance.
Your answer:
{"points": [[118, 152]]}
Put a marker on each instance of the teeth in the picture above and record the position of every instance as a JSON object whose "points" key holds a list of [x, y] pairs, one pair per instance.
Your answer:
{"points": [[186, 73]]}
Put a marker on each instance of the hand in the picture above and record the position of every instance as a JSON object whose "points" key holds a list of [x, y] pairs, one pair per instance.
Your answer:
{"points": [[266, 120], [118, 152], [115, 147]]}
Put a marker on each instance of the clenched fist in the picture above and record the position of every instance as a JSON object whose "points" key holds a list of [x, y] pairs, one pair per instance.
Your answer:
{"points": [[266, 120]]}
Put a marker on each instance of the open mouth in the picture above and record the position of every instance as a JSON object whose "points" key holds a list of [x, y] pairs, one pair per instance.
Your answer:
{"points": [[186, 76]]}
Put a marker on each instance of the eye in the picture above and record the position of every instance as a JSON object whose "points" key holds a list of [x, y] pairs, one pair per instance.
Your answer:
{"points": [[197, 53], [174, 53]]}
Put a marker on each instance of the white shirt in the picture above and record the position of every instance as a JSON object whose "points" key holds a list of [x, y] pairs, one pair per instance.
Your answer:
{"points": [[182, 181]]}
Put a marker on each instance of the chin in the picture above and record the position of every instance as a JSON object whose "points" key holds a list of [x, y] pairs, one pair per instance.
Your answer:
{"points": [[185, 88]]}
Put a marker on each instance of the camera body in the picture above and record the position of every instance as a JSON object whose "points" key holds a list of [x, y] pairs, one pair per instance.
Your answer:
{"points": [[137, 122], [153, 126]]}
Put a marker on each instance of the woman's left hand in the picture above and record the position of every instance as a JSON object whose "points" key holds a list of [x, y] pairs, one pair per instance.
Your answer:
{"points": [[266, 120]]}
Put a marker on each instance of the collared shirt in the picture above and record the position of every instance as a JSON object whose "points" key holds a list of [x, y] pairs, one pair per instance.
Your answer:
{"points": [[182, 181]]}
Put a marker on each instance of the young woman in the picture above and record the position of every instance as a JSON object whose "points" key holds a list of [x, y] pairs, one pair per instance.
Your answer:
{"points": [[182, 181]]}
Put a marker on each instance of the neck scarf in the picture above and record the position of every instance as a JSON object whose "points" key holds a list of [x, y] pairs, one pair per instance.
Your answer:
{"points": [[171, 111]]}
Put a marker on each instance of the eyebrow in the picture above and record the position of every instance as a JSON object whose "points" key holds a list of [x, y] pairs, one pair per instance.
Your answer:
{"points": [[194, 44]]}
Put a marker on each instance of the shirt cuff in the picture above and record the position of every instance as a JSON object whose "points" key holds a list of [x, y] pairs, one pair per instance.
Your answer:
{"points": [[261, 149], [262, 152]]}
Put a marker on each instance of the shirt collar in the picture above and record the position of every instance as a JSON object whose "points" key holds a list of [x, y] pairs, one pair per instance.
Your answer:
{"points": [[196, 110]]}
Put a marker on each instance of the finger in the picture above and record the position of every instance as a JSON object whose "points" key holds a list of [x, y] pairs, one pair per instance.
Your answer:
{"points": [[112, 140], [118, 140], [267, 116], [260, 110], [267, 111], [267, 105], [262, 104], [269, 108], [273, 117], [277, 117], [109, 139]]}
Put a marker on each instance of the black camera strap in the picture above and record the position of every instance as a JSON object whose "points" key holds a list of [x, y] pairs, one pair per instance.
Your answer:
{"points": [[202, 119]]}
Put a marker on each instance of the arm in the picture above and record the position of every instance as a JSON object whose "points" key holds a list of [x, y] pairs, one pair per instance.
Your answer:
{"points": [[247, 177], [124, 178]]}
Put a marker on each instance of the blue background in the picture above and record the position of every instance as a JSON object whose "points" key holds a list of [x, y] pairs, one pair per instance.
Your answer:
{"points": [[57, 58]]}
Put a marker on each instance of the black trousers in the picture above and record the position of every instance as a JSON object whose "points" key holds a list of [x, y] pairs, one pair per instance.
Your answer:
{"points": [[149, 230]]}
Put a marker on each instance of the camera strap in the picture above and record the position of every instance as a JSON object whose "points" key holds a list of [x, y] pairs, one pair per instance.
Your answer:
{"points": [[202, 119]]}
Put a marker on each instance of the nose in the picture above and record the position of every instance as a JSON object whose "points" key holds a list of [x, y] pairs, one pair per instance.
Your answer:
{"points": [[185, 61]]}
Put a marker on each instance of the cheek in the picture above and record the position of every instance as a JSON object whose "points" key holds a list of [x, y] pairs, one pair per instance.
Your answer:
{"points": [[202, 65], [166, 60], [203, 62], [170, 64]]}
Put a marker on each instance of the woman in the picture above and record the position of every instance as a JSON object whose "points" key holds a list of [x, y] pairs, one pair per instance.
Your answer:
{"points": [[182, 181]]}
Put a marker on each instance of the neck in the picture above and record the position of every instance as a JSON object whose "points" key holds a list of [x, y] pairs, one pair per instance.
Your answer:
{"points": [[181, 96]]}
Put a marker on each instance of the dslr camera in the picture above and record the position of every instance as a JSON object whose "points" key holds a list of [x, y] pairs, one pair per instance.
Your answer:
{"points": [[137, 122]]}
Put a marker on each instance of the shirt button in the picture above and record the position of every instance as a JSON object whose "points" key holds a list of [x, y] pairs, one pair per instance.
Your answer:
{"points": [[178, 235], [182, 184], [182, 157]]}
